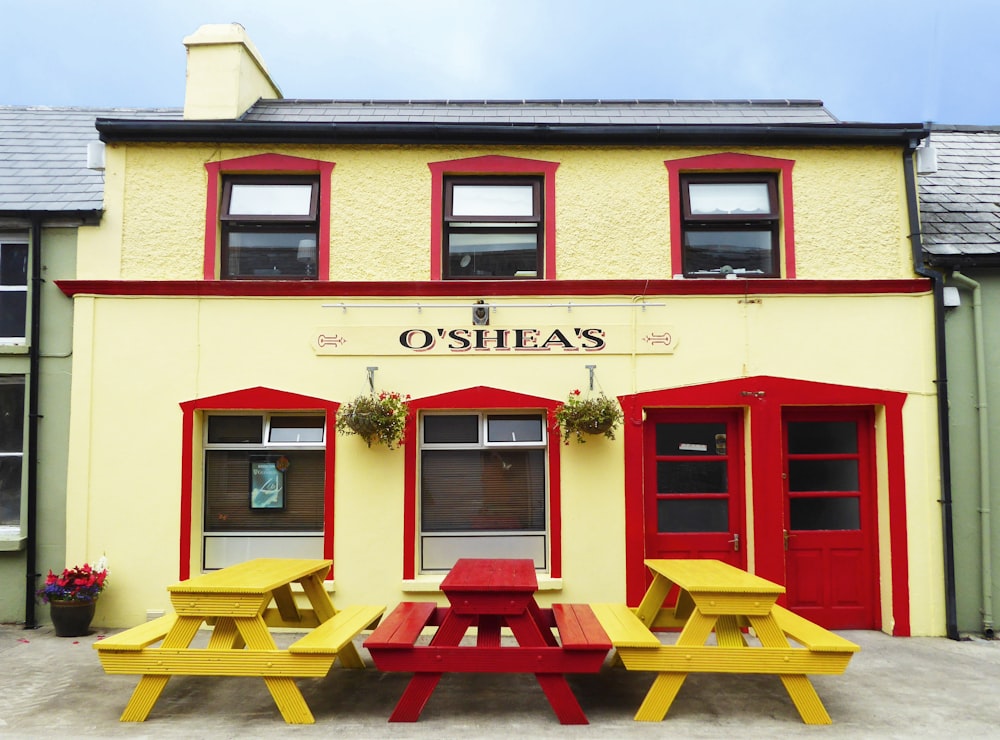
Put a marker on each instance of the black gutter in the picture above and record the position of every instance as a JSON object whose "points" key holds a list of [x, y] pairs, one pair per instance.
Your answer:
{"points": [[941, 361], [34, 379], [132, 130]]}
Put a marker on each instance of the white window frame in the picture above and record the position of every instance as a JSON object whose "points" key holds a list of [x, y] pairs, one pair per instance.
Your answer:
{"points": [[17, 241]]}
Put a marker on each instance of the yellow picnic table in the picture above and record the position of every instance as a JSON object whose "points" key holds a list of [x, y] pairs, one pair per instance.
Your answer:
{"points": [[712, 596], [242, 601]]}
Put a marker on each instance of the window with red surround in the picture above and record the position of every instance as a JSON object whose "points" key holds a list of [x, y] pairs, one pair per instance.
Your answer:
{"points": [[267, 216], [493, 217], [731, 215]]}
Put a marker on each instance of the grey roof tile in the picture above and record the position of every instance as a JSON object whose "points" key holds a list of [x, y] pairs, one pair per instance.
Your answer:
{"points": [[43, 156]]}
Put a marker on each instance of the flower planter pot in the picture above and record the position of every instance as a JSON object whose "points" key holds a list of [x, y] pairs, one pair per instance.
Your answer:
{"points": [[72, 618], [364, 425], [596, 427]]}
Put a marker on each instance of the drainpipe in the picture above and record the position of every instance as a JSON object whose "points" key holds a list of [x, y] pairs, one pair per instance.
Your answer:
{"points": [[31, 441], [940, 360], [982, 412]]}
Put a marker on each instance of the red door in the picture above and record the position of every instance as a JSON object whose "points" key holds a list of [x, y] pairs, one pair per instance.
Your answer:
{"points": [[694, 473], [831, 561]]}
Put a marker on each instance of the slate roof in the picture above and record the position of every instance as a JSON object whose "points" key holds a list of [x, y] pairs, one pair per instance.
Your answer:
{"points": [[960, 202], [43, 157], [574, 112]]}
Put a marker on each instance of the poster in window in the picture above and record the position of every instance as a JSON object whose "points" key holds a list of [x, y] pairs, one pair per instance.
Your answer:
{"points": [[267, 485]]}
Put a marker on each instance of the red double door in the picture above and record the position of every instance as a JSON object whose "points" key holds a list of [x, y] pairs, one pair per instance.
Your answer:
{"points": [[813, 511]]}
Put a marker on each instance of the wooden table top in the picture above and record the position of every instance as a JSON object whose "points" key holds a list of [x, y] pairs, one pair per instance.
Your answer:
{"points": [[712, 576], [474, 574], [253, 576]]}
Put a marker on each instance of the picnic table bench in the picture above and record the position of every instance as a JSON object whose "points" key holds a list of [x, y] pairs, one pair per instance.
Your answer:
{"points": [[241, 602], [488, 595], [712, 596]]}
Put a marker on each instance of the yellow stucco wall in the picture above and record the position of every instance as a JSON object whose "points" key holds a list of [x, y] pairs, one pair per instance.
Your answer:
{"points": [[612, 211]]}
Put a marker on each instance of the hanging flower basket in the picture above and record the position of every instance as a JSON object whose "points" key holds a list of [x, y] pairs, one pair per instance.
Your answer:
{"points": [[375, 417], [596, 415]]}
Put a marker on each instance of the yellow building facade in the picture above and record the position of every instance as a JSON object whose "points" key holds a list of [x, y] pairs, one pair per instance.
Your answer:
{"points": [[778, 399]]}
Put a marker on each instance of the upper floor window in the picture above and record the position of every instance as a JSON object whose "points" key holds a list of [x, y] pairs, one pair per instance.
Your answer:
{"points": [[493, 227], [13, 290], [270, 227], [730, 225], [11, 448], [493, 218], [731, 215]]}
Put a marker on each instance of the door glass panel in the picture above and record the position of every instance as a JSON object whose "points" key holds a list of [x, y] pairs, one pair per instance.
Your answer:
{"points": [[825, 513], [693, 515], [692, 477], [822, 475], [690, 439], [809, 437]]}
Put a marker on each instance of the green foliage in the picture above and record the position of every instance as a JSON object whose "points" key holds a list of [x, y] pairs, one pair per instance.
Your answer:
{"points": [[375, 417], [592, 415]]}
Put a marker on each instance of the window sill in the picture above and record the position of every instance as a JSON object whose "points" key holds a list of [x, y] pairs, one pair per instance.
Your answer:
{"points": [[432, 583], [12, 541], [13, 349]]}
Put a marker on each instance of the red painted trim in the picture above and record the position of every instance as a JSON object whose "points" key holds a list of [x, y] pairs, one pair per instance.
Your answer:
{"points": [[480, 398], [763, 397], [732, 162], [494, 164], [486, 288], [249, 399], [270, 164]]}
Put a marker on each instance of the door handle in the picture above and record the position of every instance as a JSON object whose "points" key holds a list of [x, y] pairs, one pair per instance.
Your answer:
{"points": [[787, 537], [735, 542]]}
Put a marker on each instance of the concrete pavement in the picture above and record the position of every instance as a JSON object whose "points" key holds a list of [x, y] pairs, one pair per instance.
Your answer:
{"points": [[894, 688]]}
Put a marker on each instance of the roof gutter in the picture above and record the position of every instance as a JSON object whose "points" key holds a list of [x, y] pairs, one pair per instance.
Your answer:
{"points": [[132, 130], [940, 359]]}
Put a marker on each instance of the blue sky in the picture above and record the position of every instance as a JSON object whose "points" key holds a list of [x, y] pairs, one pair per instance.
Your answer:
{"points": [[893, 61]]}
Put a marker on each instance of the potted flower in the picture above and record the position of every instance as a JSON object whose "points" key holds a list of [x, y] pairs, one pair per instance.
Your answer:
{"points": [[591, 415], [72, 596], [375, 417]]}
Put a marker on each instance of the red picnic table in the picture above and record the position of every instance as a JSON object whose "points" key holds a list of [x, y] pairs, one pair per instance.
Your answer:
{"points": [[488, 595]]}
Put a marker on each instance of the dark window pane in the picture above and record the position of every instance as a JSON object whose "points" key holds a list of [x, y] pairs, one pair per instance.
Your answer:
{"points": [[499, 253], [482, 490], [748, 251], [691, 439], [10, 491], [14, 264], [297, 428], [265, 254], [13, 309], [451, 429], [692, 477], [825, 513], [11, 414], [823, 475], [680, 515], [514, 428], [235, 429], [817, 437]]}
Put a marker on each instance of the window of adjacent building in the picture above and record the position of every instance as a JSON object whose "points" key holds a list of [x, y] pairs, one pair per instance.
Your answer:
{"points": [[492, 228], [13, 290], [270, 227], [730, 225], [264, 487], [11, 448], [483, 487]]}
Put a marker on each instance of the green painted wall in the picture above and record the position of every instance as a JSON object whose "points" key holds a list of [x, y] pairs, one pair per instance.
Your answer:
{"points": [[58, 262], [965, 458]]}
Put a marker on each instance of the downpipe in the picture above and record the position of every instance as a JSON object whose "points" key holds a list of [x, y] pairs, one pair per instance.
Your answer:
{"points": [[34, 378]]}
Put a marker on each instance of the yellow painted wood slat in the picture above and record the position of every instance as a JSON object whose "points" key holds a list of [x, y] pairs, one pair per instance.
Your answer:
{"points": [[136, 638], [712, 659], [318, 597], [258, 576], [331, 636], [712, 576], [285, 602], [307, 619], [203, 662], [219, 605], [624, 627], [809, 634]]}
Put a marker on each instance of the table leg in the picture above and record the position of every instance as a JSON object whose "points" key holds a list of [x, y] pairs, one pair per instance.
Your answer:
{"points": [[665, 686], [225, 636], [285, 693], [653, 600], [799, 687], [488, 632], [150, 687]]}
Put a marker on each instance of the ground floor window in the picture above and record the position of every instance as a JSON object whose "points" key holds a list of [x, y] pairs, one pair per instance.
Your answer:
{"points": [[11, 448], [483, 487], [264, 486]]}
